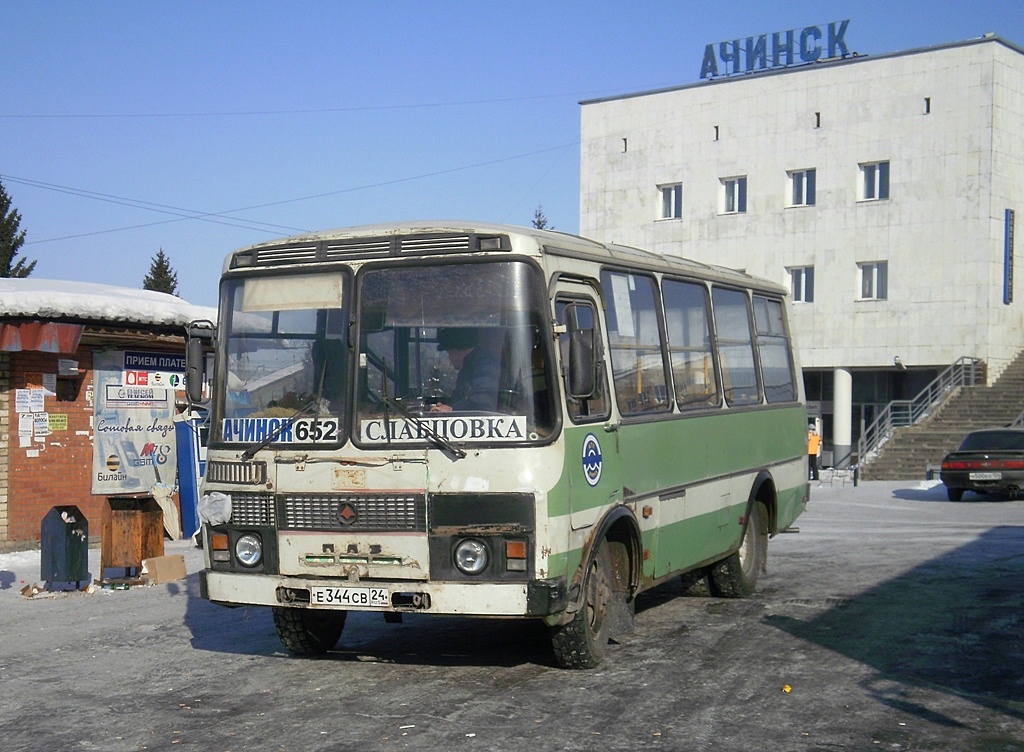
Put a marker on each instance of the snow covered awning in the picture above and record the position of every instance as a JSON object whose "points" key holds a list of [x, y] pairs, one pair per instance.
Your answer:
{"points": [[44, 301]]}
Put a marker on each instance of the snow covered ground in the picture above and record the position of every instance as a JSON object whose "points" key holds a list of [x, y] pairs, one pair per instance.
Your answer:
{"points": [[21, 568]]}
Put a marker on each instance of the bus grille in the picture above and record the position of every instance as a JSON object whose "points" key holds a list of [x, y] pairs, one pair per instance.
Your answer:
{"points": [[357, 512], [252, 509], [242, 473]]}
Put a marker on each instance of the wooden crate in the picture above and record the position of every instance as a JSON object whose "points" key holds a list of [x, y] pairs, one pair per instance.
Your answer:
{"points": [[132, 529]]}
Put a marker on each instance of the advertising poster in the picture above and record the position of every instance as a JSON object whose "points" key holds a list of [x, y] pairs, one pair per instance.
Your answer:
{"points": [[134, 446]]}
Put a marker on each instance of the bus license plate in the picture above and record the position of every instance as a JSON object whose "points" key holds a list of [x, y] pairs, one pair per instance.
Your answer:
{"points": [[350, 597], [986, 476]]}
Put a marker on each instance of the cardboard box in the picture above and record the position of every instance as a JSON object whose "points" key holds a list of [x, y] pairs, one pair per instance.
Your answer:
{"points": [[161, 569]]}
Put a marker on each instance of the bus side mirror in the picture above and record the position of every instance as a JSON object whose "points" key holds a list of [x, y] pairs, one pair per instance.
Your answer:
{"points": [[582, 364], [199, 338]]}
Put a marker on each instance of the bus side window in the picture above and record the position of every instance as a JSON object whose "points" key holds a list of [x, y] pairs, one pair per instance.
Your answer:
{"points": [[690, 351], [635, 342], [580, 315], [774, 348], [735, 346]]}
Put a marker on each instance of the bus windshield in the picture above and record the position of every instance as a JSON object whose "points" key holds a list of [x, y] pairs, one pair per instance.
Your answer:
{"points": [[286, 359], [453, 351]]}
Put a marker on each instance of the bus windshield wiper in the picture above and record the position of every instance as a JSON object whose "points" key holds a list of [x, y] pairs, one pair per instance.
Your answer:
{"points": [[313, 402], [395, 403], [423, 426]]}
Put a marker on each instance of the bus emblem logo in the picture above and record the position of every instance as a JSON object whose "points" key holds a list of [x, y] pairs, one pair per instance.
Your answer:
{"points": [[346, 513], [592, 459]]}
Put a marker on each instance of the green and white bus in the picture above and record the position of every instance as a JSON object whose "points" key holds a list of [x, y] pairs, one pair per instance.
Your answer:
{"points": [[620, 418]]}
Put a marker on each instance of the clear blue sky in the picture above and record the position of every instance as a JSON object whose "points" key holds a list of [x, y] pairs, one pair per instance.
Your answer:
{"points": [[200, 128]]}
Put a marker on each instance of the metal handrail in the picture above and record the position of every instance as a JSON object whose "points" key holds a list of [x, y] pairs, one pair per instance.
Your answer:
{"points": [[965, 371]]}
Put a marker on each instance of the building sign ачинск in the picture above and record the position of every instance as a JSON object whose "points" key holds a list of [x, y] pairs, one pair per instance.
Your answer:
{"points": [[781, 48]]}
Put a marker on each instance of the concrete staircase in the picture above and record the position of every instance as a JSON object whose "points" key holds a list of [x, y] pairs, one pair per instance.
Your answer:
{"points": [[912, 449]]}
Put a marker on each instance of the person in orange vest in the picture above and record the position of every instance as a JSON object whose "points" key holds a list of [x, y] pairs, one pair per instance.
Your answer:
{"points": [[813, 446]]}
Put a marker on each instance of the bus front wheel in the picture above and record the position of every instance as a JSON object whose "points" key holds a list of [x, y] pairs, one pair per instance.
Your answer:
{"points": [[583, 642], [736, 575], [306, 631]]}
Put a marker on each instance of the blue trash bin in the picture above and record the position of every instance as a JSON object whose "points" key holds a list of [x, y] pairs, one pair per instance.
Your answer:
{"points": [[64, 549]]}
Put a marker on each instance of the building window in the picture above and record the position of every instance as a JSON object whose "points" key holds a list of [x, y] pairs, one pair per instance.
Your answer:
{"points": [[874, 280], [734, 195], [802, 283], [671, 201], [874, 181], [802, 187]]}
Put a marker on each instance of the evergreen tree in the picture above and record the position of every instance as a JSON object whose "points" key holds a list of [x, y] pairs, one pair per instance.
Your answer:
{"points": [[11, 240], [540, 221], [161, 277]]}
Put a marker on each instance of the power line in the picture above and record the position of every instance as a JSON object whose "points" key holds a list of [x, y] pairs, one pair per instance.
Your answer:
{"points": [[179, 212], [298, 111], [324, 110], [222, 216]]}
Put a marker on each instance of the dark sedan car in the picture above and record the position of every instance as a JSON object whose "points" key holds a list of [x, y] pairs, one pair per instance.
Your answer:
{"points": [[989, 461]]}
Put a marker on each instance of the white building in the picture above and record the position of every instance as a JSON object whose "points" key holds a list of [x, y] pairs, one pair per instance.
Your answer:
{"points": [[879, 188]]}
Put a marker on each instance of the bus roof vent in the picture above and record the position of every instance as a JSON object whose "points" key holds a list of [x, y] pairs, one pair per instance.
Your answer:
{"points": [[370, 247], [286, 254], [437, 244], [357, 247]]}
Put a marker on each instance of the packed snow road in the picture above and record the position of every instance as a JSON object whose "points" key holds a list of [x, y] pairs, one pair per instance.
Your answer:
{"points": [[893, 620]]}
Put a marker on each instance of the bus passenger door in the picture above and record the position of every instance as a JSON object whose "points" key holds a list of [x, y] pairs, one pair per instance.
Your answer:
{"points": [[591, 452]]}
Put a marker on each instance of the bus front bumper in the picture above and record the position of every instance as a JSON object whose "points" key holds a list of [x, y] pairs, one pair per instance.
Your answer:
{"points": [[534, 598]]}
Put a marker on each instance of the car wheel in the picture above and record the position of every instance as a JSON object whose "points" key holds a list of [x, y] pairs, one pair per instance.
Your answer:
{"points": [[955, 494]]}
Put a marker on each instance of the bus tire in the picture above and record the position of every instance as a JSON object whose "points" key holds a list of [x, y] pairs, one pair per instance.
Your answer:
{"points": [[308, 632], [583, 642], [736, 575]]}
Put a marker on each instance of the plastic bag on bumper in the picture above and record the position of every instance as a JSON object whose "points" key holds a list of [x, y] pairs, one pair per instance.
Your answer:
{"points": [[215, 508]]}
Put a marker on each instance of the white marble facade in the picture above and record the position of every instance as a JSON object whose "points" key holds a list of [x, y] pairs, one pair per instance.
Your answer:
{"points": [[948, 121]]}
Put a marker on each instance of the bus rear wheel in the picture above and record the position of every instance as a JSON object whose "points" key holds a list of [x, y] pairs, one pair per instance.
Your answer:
{"points": [[306, 631], [736, 575], [583, 642]]}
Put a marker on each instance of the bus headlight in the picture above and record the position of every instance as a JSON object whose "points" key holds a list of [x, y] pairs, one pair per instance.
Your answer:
{"points": [[249, 550], [471, 556]]}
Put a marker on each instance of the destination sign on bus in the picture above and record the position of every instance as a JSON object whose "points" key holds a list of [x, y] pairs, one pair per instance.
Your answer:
{"points": [[475, 428], [302, 431]]}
